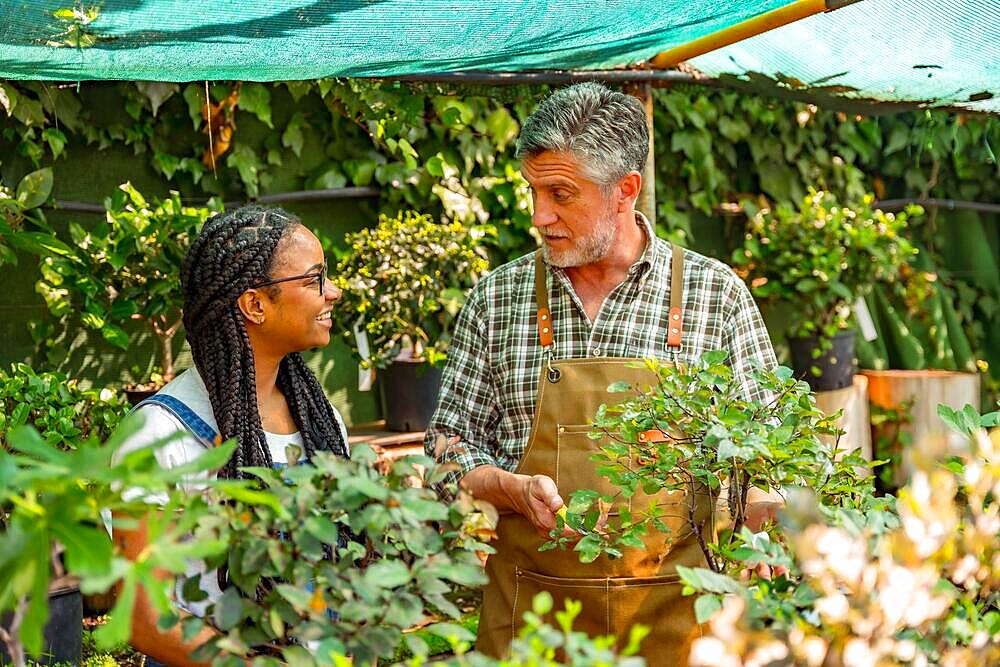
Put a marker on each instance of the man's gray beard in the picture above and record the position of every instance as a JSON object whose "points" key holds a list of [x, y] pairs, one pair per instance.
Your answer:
{"points": [[588, 250]]}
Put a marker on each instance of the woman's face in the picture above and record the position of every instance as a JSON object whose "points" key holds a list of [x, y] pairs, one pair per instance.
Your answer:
{"points": [[296, 316]]}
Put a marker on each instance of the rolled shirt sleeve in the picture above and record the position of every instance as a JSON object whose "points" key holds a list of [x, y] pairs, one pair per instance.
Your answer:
{"points": [[745, 337], [467, 405]]}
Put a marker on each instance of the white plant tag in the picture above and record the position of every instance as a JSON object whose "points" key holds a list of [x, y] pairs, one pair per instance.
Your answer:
{"points": [[366, 376], [865, 321]]}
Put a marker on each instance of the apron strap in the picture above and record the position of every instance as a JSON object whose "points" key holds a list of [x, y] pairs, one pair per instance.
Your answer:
{"points": [[543, 316], [675, 316]]}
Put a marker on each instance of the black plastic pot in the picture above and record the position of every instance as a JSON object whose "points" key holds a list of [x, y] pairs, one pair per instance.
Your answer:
{"points": [[62, 637], [836, 365], [409, 394]]}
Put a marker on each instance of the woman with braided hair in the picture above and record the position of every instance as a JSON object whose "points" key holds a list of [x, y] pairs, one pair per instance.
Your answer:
{"points": [[256, 294]]}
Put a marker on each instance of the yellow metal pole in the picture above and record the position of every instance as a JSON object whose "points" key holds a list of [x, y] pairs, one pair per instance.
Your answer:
{"points": [[776, 18]]}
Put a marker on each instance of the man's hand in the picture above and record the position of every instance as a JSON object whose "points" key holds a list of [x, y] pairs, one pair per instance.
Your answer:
{"points": [[761, 513], [533, 496], [758, 515], [540, 501]]}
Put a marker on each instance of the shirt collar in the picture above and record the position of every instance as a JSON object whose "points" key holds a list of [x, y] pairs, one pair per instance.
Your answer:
{"points": [[648, 256]]}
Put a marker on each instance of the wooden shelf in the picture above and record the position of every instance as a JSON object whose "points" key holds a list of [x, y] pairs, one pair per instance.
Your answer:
{"points": [[387, 444]]}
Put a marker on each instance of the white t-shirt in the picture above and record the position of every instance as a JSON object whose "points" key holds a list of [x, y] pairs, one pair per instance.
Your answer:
{"points": [[160, 424]]}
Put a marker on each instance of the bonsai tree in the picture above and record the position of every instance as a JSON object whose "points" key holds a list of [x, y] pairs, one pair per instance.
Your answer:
{"points": [[820, 258], [57, 407], [719, 443], [126, 267], [51, 527], [407, 278]]}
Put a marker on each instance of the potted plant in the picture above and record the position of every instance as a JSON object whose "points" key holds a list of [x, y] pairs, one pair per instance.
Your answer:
{"points": [[404, 282], [820, 258], [717, 444], [920, 357], [64, 414], [125, 268]]}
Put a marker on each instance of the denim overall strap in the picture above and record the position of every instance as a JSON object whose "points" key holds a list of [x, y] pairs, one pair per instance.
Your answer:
{"points": [[198, 426]]}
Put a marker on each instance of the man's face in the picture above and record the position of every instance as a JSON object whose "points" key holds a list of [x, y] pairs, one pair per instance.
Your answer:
{"points": [[571, 212]]}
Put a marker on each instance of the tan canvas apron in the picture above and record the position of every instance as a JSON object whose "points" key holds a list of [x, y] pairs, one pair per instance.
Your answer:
{"points": [[640, 588]]}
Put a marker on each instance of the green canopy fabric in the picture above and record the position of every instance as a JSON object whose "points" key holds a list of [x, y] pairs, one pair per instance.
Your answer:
{"points": [[896, 52], [273, 40]]}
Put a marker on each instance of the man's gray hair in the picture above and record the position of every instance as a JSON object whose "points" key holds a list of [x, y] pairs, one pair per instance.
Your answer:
{"points": [[605, 130]]}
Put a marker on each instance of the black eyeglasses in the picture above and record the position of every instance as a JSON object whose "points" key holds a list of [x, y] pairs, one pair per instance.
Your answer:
{"points": [[320, 276]]}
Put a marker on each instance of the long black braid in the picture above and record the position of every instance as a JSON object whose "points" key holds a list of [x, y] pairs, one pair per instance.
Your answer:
{"points": [[235, 251]]}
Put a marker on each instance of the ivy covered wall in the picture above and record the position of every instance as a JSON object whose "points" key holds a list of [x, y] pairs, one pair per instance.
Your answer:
{"points": [[448, 151]]}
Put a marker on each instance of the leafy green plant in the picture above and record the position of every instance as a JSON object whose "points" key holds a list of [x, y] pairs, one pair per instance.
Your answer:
{"points": [[57, 407], [408, 278], [336, 556], [719, 442], [821, 256], [51, 526], [124, 268]]}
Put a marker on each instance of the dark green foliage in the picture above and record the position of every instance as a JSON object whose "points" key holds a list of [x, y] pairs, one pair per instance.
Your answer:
{"points": [[408, 278], [822, 256], [56, 406], [290, 566], [127, 267]]}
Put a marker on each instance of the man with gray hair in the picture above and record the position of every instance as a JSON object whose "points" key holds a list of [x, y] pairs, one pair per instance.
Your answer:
{"points": [[538, 343]]}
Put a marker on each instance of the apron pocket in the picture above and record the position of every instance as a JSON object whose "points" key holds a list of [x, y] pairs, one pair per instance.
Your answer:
{"points": [[592, 593], [574, 469], [612, 605], [658, 603]]}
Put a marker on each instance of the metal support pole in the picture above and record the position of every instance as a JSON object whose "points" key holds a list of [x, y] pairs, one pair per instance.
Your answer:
{"points": [[646, 202]]}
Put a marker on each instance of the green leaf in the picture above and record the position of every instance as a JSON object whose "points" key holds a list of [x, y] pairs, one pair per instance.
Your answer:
{"points": [[35, 188], [245, 161], [194, 95], [115, 335], [256, 98], [158, 92], [451, 632], [292, 136], [8, 97], [388, 574], [706, 606], [41, 244], [228, 609], [55, 139]]}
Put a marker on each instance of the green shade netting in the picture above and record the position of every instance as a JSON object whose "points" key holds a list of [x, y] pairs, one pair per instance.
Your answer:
{"points": [[273, 40], [935, 52]]}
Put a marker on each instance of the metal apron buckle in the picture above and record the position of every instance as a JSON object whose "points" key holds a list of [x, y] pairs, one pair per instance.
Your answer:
{"points": [[554, 374]]}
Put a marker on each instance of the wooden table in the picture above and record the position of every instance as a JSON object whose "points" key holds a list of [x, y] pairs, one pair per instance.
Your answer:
{"points": [[389, 445]]}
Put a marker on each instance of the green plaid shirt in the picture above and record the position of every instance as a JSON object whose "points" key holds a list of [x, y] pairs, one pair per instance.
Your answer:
{"points": [[490, 383]]}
